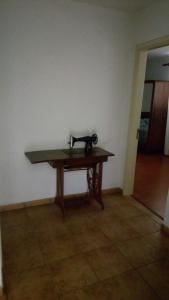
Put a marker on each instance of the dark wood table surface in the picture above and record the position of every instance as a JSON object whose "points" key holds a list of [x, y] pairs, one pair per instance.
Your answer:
{"points": [[67, 159]]}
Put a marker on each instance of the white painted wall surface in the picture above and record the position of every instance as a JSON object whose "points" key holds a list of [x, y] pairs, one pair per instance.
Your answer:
{"points": [[64, 67], [150, 24], [155, 69]]}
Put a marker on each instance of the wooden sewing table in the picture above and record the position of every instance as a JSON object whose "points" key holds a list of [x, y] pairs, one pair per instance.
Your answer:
{"points": [[71, 160]]}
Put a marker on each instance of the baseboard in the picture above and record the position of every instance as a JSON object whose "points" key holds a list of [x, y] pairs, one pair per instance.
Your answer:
{"points": [[165, 229], [9, 207], [112, 191], [39, 202], [15, 206]]}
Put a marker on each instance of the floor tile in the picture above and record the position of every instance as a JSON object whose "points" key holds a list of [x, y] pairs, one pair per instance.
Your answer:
{"points": [[157, 276], [11, 238], [111, 202], [92, 292], [82, 208], [140, 206], [31, 285], [15, 218], [72, 273], [144, 224], [88, 255], [126, 207], [129, 286], [127, 211], [59, 248], [40, 218], [160, 241], [127, 200], [139, 252], [26, 256], [106, 216], [78, 224], [91, 239], [147, 211], [107, 262], [49, 232], [119, 231], [43, 211]]}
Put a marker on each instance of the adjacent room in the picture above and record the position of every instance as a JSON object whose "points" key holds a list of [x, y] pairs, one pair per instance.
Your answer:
{"points": [[152, 167], [71, 89]]}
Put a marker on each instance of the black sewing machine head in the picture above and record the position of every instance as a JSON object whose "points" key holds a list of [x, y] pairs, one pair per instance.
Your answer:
{"points": [[88, 140]]}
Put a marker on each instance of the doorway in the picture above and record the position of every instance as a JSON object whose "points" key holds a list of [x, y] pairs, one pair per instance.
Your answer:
{"points": [[137, 96], [152, 164]]}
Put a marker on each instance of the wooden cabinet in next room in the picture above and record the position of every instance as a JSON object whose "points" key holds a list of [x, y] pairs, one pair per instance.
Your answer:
{"points": [[153, 117]]}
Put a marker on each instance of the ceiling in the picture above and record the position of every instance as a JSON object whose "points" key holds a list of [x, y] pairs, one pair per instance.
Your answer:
{"points": [[159, 52], [125, 5]]}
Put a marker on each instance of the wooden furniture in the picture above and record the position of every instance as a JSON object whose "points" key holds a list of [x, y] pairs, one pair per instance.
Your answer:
{"points": [[76, 159], [153, 117]]}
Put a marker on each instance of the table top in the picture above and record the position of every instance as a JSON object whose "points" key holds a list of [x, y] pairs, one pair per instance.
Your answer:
{"points": [[65, 155]]}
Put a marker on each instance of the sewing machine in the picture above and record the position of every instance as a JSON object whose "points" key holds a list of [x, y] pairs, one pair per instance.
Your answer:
{"points": [[88, 140]]}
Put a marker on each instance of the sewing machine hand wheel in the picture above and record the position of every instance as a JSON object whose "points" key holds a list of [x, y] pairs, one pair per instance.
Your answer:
{"points": [[95, 138]]}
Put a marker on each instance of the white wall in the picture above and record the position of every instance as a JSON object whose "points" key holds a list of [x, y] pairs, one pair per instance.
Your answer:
{"points": [[64, 66], [153, 23], [155, 69]]}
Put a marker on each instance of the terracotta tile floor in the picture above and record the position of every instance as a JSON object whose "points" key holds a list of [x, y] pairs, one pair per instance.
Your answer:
{"points": [[119, 253], [152, 181]]}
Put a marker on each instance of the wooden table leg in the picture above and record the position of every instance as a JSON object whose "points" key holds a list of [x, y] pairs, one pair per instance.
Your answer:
{"points": [[60, 188], [95, 183], [91, 173], [97, 179]]}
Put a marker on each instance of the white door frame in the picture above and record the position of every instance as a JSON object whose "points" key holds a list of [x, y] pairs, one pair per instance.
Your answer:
{"points": [[135, 109]]}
